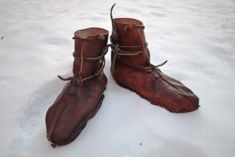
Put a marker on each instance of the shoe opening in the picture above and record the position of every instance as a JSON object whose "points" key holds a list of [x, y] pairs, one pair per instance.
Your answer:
{"points": [[127, 21], [91, 32]]}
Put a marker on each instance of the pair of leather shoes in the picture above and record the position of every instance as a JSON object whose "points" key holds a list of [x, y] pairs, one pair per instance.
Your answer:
{"points": [[82, 95]]}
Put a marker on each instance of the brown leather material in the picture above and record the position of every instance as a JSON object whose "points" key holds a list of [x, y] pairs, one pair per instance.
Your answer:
{"points": [[83, 94], [131, 68]]}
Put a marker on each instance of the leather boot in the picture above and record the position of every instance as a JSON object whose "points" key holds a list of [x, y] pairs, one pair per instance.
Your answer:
{"points": [[131, 68], [82, 96]]}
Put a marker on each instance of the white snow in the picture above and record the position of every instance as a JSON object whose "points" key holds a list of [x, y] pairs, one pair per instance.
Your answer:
{"points": [[197, 37]]}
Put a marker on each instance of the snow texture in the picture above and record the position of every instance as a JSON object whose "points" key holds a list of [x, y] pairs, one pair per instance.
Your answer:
{"points": [[197, 37]]}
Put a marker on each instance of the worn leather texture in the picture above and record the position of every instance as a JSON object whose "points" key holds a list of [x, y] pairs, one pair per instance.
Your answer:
{"points": [[82, 96], [131, 68]]}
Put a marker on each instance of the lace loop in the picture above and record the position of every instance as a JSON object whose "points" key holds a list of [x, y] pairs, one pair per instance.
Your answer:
{"points": [[77, 80], [122, 50]]}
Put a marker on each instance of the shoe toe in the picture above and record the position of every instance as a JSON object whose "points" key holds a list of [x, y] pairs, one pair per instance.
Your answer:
{"points": [[182, 98]]}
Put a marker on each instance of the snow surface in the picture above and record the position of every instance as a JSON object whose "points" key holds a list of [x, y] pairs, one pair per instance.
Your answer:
{"points": [[197, 37]]}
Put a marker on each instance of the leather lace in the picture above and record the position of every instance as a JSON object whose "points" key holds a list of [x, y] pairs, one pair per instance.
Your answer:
{"points": [[120, 50], [77, 79]]}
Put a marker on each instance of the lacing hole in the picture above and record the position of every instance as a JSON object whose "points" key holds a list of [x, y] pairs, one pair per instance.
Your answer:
{"points": [[149, 70], [76, 82], [126, 28]]}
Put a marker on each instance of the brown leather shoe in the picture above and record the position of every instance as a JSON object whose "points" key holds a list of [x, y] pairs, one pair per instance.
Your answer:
{"points": [[83, 94], [131, 68]]}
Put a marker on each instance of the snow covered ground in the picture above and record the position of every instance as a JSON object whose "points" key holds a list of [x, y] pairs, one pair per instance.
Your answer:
{"points": [[197, 37]]}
